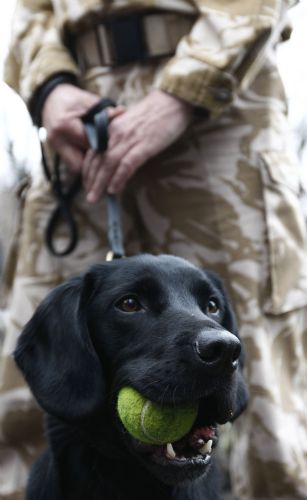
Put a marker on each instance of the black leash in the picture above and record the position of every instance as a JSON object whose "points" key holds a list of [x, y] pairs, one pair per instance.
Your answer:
{"points": [[96, 126], [62, 211], [114, 230]]}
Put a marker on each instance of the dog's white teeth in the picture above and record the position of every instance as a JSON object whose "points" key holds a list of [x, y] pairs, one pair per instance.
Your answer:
{"points": [[207, 448], [170, 452]]}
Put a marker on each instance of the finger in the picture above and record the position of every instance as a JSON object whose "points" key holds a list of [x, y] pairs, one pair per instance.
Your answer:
{"points": [[129, 164], [113, 112], [94, 167], [110, 161], [118, 132], [86, 165], [98, 187], [99, 184]]}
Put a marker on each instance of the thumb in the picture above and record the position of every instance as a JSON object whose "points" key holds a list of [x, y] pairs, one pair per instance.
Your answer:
{"points": [[114, 112]]}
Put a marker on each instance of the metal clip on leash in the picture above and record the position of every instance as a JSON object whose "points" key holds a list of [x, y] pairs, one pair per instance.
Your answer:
{"points": [[96, 126]]}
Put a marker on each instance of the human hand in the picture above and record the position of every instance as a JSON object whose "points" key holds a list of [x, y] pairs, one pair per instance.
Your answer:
{"points": [[61, 117], [135, 136]]}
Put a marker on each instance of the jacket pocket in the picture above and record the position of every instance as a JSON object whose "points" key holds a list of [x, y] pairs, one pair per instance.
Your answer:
{"points": [[286, 288]]}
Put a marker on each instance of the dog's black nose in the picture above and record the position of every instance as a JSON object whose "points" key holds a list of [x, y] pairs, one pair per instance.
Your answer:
{"points": [[219, 350]]}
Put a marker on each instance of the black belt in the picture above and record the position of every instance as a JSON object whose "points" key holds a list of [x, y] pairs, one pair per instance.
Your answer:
{"points": [[96, 126], [130, 37]]}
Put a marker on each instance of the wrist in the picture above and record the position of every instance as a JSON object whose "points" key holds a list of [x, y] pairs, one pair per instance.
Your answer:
{"points": [[38, 101], [186, 107]]}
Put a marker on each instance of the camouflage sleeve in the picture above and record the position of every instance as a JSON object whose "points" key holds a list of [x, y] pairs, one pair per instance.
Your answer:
{"points": [[36, 51], [223, 51]]}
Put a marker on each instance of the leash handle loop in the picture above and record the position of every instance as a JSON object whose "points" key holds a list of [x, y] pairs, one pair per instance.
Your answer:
{"points": [[62, 211]]}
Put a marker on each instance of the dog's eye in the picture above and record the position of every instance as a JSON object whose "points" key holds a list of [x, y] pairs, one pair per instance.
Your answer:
{"points": [[129, 305], [212, 307]]}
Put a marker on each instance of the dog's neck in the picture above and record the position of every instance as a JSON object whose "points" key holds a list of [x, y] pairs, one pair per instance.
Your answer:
{"points": [[104, 462]]}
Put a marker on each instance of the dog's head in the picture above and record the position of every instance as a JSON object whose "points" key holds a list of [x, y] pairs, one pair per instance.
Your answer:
{"points": [[158, 324]]}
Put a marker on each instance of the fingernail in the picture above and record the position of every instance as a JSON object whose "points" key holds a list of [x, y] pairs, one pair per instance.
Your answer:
{"points": [[91, 197], [112, 189]]}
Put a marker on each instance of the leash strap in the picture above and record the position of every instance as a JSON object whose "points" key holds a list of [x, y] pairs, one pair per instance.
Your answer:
{"points": [[115, 235], [62, 212], [96, 127]]}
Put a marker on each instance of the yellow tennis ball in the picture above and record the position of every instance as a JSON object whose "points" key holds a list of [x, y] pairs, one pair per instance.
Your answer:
{"points": [[151, 423]]}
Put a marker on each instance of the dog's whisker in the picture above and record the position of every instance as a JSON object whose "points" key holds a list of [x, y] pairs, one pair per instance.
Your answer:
{"points": [[152, 383], [164, 393], [174, 391]]}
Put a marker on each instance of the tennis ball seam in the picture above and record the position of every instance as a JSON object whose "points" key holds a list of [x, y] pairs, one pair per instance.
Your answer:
{"points": [[143, 427]]}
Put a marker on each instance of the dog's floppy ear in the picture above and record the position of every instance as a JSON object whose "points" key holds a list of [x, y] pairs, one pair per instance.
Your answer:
{"points": [[56, 355]]}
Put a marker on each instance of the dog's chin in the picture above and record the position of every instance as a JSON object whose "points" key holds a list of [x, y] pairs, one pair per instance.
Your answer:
{"points": [[177, 471], [175, 463]]}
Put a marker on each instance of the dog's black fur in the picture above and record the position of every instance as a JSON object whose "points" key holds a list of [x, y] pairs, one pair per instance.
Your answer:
{"points": [[148, 322]]}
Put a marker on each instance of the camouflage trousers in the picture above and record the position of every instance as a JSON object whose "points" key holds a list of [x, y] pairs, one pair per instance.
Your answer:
{"points": [[226, 197]]}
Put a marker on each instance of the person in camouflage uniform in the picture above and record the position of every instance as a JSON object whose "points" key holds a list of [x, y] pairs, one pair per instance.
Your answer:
{"points": [[200, 149]]}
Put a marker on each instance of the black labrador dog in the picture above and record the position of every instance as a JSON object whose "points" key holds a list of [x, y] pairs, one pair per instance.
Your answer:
{"points": [[158, 324]]}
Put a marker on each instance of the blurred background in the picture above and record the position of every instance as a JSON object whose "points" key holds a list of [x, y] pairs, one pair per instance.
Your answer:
{"points": [[19, 149]]}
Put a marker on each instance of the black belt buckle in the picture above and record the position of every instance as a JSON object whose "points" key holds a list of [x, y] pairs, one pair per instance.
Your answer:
{"points": [[128, 39]]}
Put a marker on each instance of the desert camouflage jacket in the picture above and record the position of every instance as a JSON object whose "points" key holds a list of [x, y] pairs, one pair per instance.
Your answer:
{"points": [[220, 55]]}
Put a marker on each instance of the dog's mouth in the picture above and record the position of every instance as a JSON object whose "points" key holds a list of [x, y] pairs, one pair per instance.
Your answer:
{"points": [[196, 445], [189, 457], [185, 459]]}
